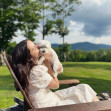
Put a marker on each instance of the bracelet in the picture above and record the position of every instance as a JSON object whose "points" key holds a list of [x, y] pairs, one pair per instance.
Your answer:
{"points": [[56, 74]]}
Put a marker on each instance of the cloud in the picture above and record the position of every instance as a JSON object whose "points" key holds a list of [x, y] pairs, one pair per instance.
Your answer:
{"points": [[77, 35], [90, 22], [95, 15]]}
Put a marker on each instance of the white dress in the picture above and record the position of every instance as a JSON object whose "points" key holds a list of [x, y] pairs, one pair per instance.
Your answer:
{"points": [[40, 96]]}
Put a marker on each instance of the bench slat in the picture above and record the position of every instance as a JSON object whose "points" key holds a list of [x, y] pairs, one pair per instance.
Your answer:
{"points": [[91, 106]]}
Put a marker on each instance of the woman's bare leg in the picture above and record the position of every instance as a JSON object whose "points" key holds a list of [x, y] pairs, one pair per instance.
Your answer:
{"points": [[95, 99]]}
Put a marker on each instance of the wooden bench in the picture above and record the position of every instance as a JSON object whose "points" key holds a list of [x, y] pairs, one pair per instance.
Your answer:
{"points": [[91, 106]]}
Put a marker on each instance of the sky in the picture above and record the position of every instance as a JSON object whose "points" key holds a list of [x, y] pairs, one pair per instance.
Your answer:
{"points": [[91, 22]]}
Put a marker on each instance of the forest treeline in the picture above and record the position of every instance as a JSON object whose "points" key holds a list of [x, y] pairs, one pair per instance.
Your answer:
{"points": [[65, 53], [77, 55]]}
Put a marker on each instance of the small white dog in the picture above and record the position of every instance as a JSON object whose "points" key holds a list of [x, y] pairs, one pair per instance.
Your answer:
{"points": [[45, 48]]}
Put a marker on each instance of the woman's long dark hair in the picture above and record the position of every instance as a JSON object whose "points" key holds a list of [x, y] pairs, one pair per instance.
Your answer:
{"points": [[22, 63]]}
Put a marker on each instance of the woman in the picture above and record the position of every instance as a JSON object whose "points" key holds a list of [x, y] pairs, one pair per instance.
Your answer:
{"points": [[37, 80]]}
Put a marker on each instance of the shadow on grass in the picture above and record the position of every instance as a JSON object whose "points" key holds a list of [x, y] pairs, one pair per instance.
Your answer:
{"points": [[89, 66], [6, 77], [99, 85], [6, 82]]}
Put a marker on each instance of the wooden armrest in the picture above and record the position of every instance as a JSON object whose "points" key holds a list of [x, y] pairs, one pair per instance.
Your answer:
{"points": [[90, 106], [71, 81]]}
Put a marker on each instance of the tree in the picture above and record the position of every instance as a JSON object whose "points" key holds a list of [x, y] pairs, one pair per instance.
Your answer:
{"points": [[58, 28], [18, 15], [47, 21], [63, 9], [7, 26], [52, 10], [101, 55], [14, 15], [78, 55], [71, 56], [29, 16], [64, 50], [91, 56], [108, 55], [10, 47]]}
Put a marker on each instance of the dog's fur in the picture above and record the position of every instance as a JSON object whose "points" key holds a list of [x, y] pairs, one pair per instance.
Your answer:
{"points": [[45, 48]]}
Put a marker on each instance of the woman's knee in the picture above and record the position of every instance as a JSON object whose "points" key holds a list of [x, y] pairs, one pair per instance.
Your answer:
{"points": [[84, 85]]}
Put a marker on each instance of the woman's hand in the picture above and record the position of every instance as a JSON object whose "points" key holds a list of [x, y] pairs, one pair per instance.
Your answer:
{"points": [[48, 64], [59, 69], [47, 58]]}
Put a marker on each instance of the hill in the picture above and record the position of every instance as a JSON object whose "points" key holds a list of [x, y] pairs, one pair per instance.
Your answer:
{"points": [[86, 46]]}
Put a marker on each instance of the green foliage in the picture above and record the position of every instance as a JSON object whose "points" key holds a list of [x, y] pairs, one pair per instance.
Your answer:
{"points": [[28, 17], [78, 55], [25, 15], [58, 28], [108, 55], [46, 18], [48, 27], [66, 54], [64, 51], [7, 26], [10, 47], [56, 12], [101, 54], [91, 56], [63, 9], [18, 15]]}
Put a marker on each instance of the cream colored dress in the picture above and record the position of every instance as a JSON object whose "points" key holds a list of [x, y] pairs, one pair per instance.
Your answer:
{"points": [[41, 96]]}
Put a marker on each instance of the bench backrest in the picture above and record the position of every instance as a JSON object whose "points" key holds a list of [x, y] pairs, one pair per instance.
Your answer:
{"points": [[16, 80]]}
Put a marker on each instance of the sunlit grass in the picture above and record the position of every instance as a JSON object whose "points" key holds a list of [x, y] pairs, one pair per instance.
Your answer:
{"points": [[96, 74]]}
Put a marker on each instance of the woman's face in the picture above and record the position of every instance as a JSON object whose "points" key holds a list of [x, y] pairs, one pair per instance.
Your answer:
{"points": [[34, 50]]}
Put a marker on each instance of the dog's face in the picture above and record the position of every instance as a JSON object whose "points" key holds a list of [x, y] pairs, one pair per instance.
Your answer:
{"points": [[44, 46]]}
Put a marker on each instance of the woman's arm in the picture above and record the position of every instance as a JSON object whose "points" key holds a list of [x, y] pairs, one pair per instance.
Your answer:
{"points": [[54, 84]]}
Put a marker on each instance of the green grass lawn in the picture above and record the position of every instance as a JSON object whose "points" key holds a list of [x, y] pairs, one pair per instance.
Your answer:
{"points": [[7, 90], [96, 74]]}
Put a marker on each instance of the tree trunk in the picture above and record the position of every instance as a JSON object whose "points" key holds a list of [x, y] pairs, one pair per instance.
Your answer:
{"points": [[43, 19], [2, 61], [63, 27], [63, 40], [64, 57], [43, 36]]}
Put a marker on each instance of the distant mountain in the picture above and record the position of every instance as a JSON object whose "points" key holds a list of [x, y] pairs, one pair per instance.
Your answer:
{"points": [[86, 46], [55, 45]]}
